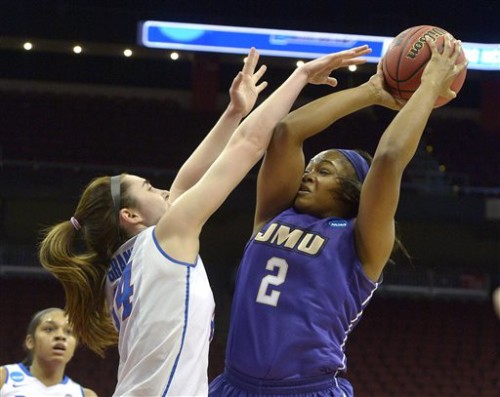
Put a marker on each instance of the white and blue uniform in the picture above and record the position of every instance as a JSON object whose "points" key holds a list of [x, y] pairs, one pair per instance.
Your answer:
{"points": [[21, 383], [300, 290], [163, 310]]}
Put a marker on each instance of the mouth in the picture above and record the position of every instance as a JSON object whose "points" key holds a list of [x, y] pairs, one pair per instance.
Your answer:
{"points": [[59, 347], [304, 189]]}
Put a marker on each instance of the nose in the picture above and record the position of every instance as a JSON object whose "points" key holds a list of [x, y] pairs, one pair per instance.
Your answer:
{"points": [[307, 177], [60, 335]]}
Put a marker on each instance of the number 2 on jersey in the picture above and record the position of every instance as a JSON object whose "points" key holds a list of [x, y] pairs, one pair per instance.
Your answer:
{"points": [[267, 295]]}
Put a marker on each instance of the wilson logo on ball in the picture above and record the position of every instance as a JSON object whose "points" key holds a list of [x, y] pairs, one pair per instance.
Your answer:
{"points": [[434, 34]]}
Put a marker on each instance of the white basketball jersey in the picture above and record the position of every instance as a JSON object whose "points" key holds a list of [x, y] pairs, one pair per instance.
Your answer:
{"points": [[20, 382], [163, 310]]}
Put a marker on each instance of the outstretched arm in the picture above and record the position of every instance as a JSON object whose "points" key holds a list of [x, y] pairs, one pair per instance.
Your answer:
{"points": [[380, 191], [178, 230], [243, 94]]}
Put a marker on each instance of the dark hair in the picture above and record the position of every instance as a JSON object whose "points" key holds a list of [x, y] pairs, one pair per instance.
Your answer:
{"points": [[82, 270], [35, 321], [351, 191], [351, 187]]}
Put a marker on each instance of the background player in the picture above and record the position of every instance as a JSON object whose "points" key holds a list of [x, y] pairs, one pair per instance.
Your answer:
{"points": [[50, 344]]}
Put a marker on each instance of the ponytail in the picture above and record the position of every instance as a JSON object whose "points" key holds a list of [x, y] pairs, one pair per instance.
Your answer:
{"points": [[83, 279], [82, 270]]}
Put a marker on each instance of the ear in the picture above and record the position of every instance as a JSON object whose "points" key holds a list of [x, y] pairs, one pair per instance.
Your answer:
{"points": [[129, 217], [29, 342]]}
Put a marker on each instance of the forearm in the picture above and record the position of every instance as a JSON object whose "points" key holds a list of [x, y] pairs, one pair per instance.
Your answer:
{"points": [[319, 114], [402, 136], [207, 151], [261, 122], [215, 141]]}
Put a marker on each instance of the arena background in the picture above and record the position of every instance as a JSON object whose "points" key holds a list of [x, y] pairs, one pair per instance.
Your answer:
{"points": [[65, 118]]}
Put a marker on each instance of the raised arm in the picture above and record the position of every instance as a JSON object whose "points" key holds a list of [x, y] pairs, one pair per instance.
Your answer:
{"points": [[179, 229], [380, 191], [243, 94], [281, 171]]}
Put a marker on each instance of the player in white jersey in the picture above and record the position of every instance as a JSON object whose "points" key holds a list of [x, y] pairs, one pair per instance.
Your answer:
{"points": [[162, 315], [50, 344], [176, 327]]}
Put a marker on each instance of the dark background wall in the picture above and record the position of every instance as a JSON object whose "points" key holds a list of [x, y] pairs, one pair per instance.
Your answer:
{"points": [[66, 119]]}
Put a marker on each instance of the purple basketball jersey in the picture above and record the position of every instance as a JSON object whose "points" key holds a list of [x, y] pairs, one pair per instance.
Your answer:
{"points": [[300, 291]]}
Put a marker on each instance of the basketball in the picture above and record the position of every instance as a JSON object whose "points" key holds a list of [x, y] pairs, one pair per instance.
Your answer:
{"points": [[406, 57]]}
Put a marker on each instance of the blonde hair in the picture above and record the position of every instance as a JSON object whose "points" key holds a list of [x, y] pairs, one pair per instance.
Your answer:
{"points": [[82, 268]]}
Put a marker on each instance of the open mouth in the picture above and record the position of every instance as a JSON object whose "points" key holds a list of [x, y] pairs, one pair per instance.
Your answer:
{"points": [[60, 347]]}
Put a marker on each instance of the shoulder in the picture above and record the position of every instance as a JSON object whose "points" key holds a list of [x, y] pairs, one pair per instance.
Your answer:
{"points": [[89, 393], [3, 375], [13, 369]]}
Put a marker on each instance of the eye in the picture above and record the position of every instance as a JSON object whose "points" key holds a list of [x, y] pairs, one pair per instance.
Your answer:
{"points": [[324, 171]]}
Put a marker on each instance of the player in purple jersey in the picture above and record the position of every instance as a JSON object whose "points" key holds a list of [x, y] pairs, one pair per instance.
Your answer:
{"points": [[320, 241], [166, 225], [50, 345]]}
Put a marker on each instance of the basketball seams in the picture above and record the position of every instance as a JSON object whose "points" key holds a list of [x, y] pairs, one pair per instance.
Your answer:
{"points": [[389, 72], [399, 70], [394, 74], [412, 39]]}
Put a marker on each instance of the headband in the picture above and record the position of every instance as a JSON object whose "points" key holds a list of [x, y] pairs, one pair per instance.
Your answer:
{"points": [[359, 163], [115, 193]]}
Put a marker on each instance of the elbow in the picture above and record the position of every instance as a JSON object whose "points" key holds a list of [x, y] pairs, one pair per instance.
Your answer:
{"points": [[283, 135], [282, 130], [390, 159]]}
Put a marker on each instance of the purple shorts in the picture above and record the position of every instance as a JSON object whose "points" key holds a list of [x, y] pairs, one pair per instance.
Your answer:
{"points": [[233, 384]]}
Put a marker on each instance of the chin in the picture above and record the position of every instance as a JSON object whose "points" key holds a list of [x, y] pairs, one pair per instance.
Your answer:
{"points": [[299, 207]]}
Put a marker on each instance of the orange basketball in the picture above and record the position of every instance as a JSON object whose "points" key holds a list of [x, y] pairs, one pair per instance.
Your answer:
{"points": [[406, 57]]}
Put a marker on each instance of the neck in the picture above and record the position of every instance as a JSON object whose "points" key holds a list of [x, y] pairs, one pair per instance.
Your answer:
{"points": [[48, 374]]}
